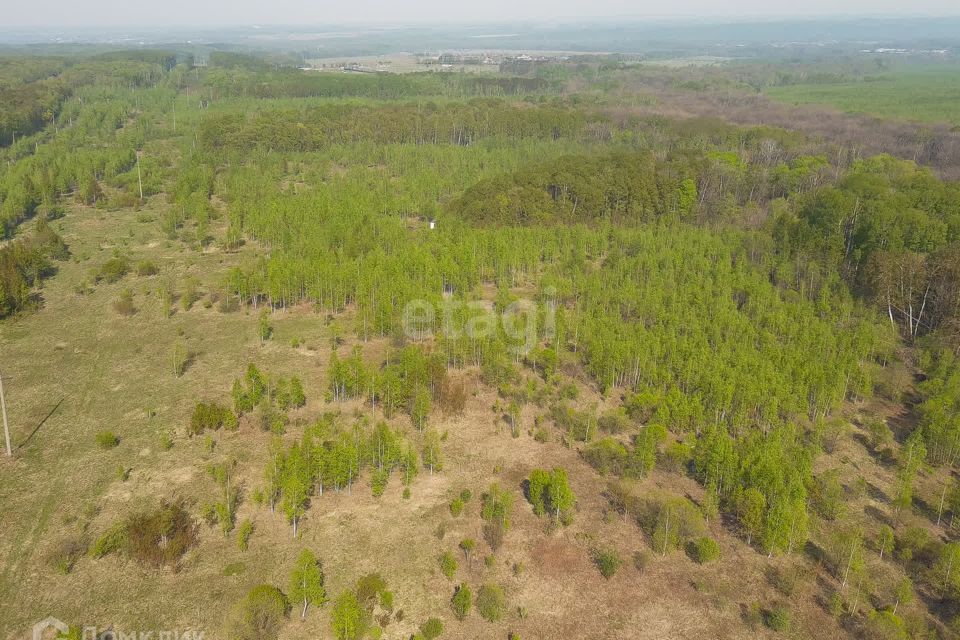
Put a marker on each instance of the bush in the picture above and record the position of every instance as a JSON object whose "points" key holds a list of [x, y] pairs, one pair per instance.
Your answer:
{"points": [[448, 564], [114, 269], [124, 303], [777, 618], [607, 561], [491, 602], [783, 580], [703, 550], [431, 629], [369, 587], [107, 439], [212, 416], [162, 536], [147, 268], [244, 531], [456, 507], [606, 456], [112, 541], [259, 616], [378, 481], [462, 601]]}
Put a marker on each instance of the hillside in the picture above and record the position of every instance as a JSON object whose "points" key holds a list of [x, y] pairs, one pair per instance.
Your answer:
{"points": [[379, 356]]}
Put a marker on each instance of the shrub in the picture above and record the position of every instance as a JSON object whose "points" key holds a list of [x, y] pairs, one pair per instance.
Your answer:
{"points": [[607, 561], [462, 601], [456, 507], [147, 268], [369, 587], [783, 580], [259, 616], [212, 416], [114, 269], [606, 456], [431, 629], [162, 536], [491, 602], [778, 618], [124, 303], [378, 481], [448, 564], [244, 531], [703, 550], [107, 439], [112, 541]]}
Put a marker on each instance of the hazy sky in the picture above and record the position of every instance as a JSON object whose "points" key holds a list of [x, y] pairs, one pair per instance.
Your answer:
{"points": [[53, 13]]}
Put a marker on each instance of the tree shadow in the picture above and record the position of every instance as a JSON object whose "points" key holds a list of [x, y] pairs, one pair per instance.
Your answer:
{"points": [[40, 424]]}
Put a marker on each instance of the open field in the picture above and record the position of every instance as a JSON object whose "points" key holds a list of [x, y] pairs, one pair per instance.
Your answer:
{"points": [[928, 95]]}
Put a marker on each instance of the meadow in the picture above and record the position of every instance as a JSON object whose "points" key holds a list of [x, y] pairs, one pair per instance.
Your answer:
{"points": [[926, 94]]}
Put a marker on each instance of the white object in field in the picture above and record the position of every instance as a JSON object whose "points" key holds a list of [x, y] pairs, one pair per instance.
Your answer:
{"points": [[433, 224]]}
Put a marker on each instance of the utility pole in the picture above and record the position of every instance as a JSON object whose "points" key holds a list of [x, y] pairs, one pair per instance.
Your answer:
{"points": [[6, 427], [139, 179]]}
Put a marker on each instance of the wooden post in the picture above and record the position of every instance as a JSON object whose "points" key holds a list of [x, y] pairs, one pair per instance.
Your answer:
{"points": [[6, 427]]}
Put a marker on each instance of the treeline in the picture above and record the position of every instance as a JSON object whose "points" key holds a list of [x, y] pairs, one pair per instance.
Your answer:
{"points": [[460, 123], [294, 83], [33, 90]]}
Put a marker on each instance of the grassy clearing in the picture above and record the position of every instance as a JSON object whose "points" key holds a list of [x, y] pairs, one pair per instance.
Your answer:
{"points": [[928, 95]]}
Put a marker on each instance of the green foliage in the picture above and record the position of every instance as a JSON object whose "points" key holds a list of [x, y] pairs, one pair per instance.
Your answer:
{"points": [[211, 416], [306, 582], [703, 550], [607, 561], [462, 601], [549, 492], [432, 628], [114, 269], [448, 565], [112, 541], [107, 439], [778, 618], [244, 533], [491, 602], [259, 616], [495, 509], [348, 619]]}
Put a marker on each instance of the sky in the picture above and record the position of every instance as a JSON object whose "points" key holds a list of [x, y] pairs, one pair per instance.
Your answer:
{"points": [[208, 13]]}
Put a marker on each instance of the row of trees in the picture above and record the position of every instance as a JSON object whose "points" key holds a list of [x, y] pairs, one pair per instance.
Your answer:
{"points": [[331, 455]]}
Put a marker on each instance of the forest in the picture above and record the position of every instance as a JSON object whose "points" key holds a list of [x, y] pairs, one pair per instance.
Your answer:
{"points": [[744, 364]]}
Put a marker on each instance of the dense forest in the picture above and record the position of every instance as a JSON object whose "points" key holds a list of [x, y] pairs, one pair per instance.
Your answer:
{"points": [[716, 309]]}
